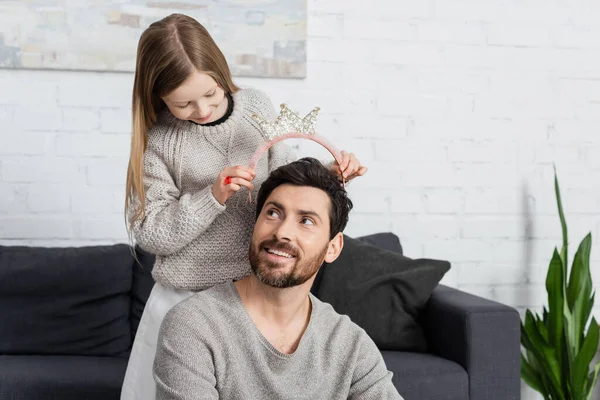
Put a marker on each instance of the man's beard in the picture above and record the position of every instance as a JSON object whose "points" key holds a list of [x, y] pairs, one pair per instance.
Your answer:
{"points": [[299, 273]]}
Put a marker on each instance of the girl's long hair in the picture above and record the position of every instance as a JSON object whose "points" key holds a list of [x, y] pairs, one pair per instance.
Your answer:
{"points": [[169, 50]]}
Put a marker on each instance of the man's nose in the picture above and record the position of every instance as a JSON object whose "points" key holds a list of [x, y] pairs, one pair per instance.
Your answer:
{"points": [[285, 230]]}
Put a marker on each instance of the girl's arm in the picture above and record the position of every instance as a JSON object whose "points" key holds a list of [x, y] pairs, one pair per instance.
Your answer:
{"points": [[172, 220]]}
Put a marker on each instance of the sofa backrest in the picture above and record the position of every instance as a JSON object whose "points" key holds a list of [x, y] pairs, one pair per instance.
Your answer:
{"points": [[69, 301]]}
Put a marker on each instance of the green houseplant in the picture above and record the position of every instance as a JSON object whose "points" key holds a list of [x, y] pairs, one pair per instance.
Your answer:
{"points": [[557, 351]]}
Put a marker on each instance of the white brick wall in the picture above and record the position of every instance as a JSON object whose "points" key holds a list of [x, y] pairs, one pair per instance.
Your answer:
{"points": [[458, 107]]}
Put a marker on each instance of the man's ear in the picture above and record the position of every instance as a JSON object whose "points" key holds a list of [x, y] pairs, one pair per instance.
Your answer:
{"points": [[334, 248]]}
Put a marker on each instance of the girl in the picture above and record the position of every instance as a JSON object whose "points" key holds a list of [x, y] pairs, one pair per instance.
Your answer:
{"points": [[193, 132]]}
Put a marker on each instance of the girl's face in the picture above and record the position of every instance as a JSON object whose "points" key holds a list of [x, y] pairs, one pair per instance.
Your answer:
{"points": [[198, 99]]}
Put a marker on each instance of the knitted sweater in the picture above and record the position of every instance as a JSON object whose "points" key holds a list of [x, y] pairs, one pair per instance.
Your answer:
{"points": [[199, 242], [209, 348]]}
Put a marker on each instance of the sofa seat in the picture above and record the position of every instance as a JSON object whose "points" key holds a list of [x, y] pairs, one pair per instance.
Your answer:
{"points": [[427, 377], [26, 377]]}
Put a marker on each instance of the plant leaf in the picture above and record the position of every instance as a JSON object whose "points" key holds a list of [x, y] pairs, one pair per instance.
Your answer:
{"points": [[555, 317], [529, 346], [580, 288], [580, 272], [554, 287], [582, 361], [545, 317], [544, 353], [569, 334], [563, 225], [531, 377], [592, 380], [589, 305], [542, 374], [541, 328]]}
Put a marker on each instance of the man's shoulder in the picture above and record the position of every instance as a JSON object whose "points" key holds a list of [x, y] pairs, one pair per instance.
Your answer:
{"points": [[338, 325], [347, 341], [206, 306]]}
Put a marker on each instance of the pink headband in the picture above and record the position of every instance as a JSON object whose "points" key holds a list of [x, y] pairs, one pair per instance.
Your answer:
{"points": [[289, 125]]}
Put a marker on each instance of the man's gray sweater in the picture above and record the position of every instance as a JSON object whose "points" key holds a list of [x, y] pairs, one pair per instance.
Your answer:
{"points": [[209, 348]]}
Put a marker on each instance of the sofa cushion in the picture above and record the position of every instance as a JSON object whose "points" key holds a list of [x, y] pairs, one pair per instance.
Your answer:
{"points": [[382, 292], [67, 301], [61, 377], [427, 377], [383, 240]]}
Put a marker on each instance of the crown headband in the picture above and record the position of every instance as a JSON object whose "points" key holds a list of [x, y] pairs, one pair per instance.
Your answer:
{"points": [[289, 125]]}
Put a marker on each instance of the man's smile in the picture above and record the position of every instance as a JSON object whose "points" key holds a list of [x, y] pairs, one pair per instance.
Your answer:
{"points": [[279, 253]]}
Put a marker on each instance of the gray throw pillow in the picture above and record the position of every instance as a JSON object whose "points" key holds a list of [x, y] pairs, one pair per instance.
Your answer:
{"points": [[382, 292]]}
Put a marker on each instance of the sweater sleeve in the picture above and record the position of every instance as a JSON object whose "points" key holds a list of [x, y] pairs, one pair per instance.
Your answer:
{"points": [[183, 365], [172, 219], [370, 379]]}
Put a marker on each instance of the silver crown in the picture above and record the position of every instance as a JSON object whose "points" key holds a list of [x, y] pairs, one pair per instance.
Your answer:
{"points": [[287, 122]]}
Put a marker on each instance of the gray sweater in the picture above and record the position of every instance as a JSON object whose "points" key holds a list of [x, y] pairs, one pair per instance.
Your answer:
{"points": [[199, 242], [209, 348]]}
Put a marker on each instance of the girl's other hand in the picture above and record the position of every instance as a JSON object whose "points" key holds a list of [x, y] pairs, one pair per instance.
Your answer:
{"points": [[230, 180], [350, 167]]}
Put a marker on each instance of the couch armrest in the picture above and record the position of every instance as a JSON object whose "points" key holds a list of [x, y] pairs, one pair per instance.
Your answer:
{"points": [[481, 335]]}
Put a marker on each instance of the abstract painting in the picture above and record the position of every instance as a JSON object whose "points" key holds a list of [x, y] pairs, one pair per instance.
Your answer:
{"points": [[260, 38]]}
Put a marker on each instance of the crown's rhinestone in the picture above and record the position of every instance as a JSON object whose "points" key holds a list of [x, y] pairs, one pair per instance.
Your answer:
{"points": [[287, 122]]}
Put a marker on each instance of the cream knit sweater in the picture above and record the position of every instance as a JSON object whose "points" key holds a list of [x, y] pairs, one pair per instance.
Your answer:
{"points": [[199, 242]]}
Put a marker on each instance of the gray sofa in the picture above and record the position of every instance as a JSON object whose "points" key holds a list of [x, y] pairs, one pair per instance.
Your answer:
{"points": [[474, 351], [473, 345], [69, 317]]}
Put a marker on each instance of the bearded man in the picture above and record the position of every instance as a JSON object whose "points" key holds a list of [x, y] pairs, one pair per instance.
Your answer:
{"points": [[266, 336]]}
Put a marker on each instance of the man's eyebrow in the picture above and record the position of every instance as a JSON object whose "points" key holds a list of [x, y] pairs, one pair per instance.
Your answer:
{"points": [[301, 212], [275, 204], [310, 213]]}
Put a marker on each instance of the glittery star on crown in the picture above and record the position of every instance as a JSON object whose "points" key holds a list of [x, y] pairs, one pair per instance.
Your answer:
{"points": [[287, 122]]}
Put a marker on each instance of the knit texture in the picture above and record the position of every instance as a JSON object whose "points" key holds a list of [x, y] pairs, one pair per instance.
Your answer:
{"points": [[209, 348], [199, 242]]}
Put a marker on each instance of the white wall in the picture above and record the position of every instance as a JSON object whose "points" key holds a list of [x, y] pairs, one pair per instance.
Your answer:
{"points": [[459, 108]]}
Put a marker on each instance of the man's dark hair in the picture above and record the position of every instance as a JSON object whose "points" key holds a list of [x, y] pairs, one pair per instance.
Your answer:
{"points": [[311, 172]]}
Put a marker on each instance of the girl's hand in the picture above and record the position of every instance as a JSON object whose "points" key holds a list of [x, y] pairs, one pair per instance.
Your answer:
{"points": [[350, 167], [230, 180]]}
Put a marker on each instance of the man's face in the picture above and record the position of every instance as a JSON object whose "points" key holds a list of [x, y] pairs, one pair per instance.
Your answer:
{"points": [[291, 236]]}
